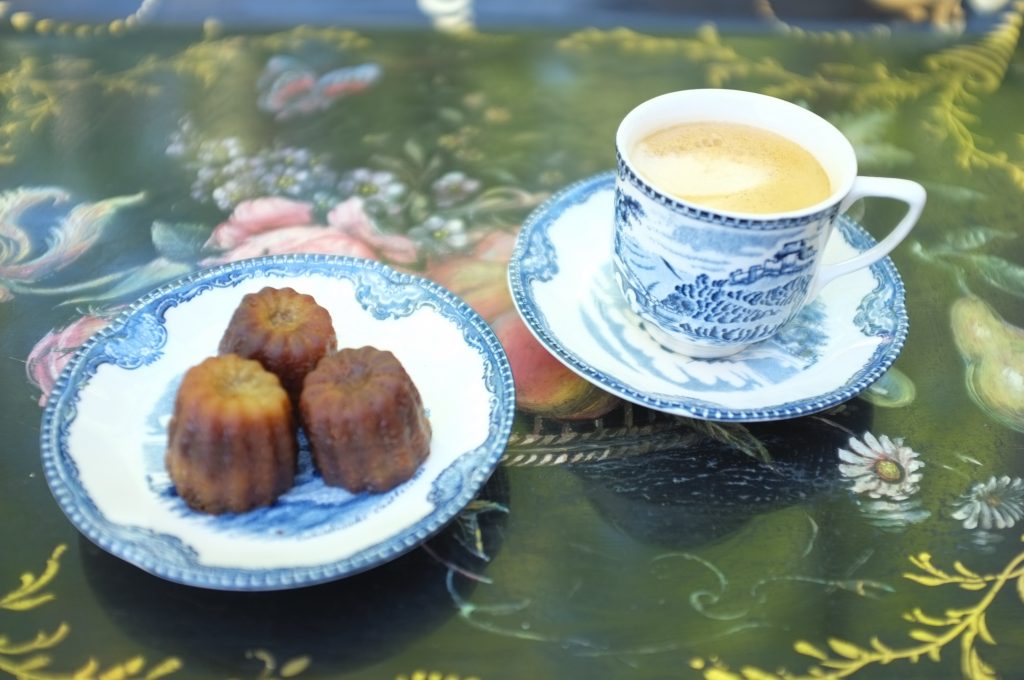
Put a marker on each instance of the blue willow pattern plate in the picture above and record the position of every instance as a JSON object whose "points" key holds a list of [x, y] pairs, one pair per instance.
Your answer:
{"points": [[104, 428], [562, 284]]}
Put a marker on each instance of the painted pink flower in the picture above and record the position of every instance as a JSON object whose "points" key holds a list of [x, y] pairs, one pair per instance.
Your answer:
{"points": [[270, 226], [350, 217], [258, 216], [49, 356]]}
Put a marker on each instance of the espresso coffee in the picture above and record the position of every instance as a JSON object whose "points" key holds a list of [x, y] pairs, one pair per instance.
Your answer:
{"points": [[729, 166]]}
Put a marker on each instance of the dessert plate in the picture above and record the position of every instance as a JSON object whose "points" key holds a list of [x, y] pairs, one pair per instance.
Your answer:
{"points": [[104, 428], [562, 284]]}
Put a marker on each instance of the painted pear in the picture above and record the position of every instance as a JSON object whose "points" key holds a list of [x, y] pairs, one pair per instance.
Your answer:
{"points": [[994, 352]]}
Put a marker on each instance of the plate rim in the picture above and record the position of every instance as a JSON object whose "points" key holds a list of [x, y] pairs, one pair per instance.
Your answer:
{"points": [[60, 469], [577, 193]]}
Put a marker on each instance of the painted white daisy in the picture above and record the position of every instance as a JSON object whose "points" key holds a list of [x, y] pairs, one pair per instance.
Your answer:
{"points": [[995, 504], [881, 468]]}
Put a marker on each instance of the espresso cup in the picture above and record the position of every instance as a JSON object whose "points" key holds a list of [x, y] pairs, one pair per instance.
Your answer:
{"points": [[708, 281]]}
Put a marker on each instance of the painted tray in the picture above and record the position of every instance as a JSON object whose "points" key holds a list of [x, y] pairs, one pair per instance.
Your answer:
{"points": [[104, 428], [563, 287]]}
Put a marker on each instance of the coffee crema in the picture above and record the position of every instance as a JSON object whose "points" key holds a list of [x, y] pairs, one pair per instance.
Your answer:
{"points": [[730, 166]]}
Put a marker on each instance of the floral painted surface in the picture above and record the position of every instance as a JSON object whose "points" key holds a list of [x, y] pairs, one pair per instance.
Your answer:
{"points": [[877, 539]]}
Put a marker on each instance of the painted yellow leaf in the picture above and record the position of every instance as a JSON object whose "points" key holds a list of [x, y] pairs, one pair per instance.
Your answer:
{"points": [[926, 580], [115, 673], [881, 647], [40, 641], [844, 648], [918, 615], [164, 668], [720, 674], [959, 566], [983, 631], [1020, 588], [922, 635], [33, 663], [24, 604], [807, 649], [973, 585], [293, 667], [88, 671], [974, 668], [924, 561]]}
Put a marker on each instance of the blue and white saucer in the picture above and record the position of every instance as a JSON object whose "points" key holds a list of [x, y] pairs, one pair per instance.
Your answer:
{"points": [[562, 284], [104, 429]]}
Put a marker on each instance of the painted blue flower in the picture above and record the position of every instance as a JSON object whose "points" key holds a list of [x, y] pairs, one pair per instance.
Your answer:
{"points": [[440, 234], [379, 189], [453, 188]]}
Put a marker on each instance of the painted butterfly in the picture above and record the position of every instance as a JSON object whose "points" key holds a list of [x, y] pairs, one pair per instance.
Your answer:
{"points": [[289, 87]]}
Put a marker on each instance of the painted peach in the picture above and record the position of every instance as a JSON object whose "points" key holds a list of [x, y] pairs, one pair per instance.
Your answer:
{"points": [[480, 283], [544, 386], [480, 278]]}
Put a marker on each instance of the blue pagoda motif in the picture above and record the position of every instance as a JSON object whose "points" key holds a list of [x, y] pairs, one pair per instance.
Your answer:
{"points": [[793, 258]]}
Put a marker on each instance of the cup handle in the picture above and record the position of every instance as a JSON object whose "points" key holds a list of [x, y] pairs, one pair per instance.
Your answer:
{"points": [[909, 192]]}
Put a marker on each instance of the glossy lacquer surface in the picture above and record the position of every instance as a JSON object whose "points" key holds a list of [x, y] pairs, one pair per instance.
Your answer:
{"points": [[850, 504]]}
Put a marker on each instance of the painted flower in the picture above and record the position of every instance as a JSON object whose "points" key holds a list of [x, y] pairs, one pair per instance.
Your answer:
{"points": [[49, 356], [228, 174], [881, 468], [439, 234], [995, 504], [273, 226], [453, 188], [257, 216], [378, 188]]}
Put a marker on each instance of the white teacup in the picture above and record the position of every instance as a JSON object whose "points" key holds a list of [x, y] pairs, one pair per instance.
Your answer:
{"points": [[708, 282]]}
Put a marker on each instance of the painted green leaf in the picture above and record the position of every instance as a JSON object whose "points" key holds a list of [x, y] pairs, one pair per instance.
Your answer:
{"points": [[142, 278], [179, 241], [1003, 274], [953, 192], [451, 115], [974, 238], [415, 152]]}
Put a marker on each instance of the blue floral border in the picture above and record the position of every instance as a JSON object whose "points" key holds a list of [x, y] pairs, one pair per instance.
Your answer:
{"points": [[136, 338]]}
